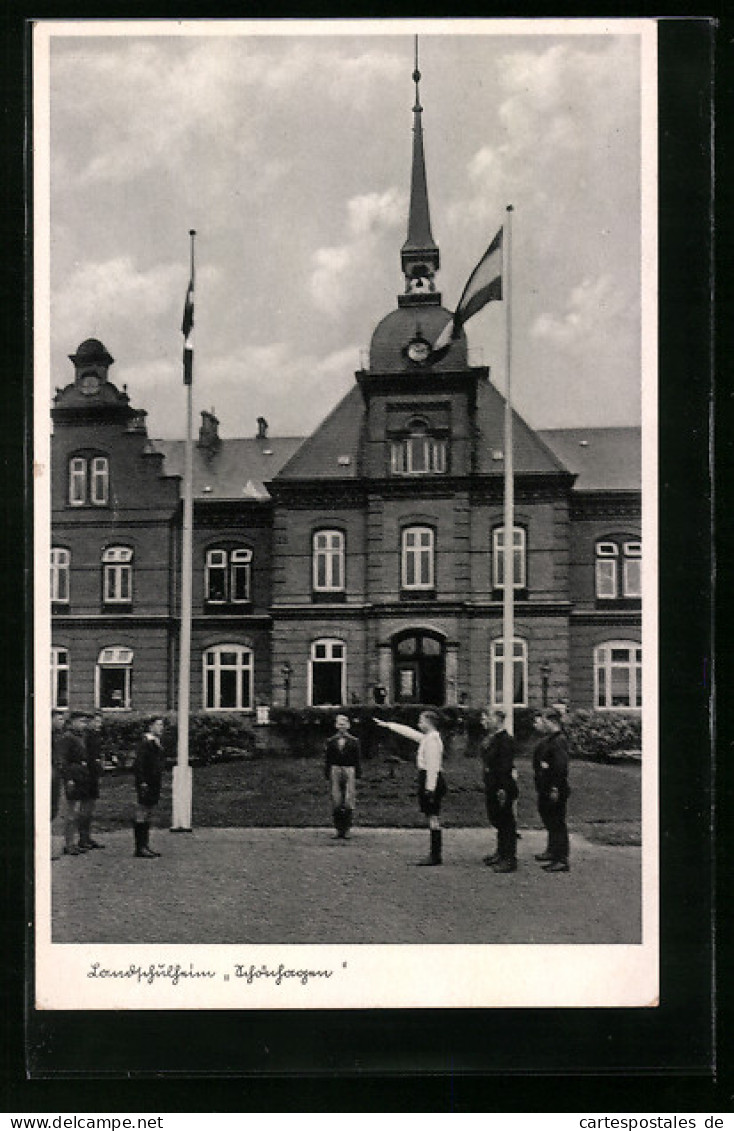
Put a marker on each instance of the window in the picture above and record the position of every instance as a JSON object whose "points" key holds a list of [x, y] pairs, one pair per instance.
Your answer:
{"points": [[618, 675], [606, 570], [117, 575], [632, 570], [228, 576], [77, 482], [99, 481], [519, 571], [328, 673], [418, 455], [114, 679], [59, 677], [60, 562], [519, 672], [618, 570], [418, 558], [89, 481], [328, 561], [228, 672]]}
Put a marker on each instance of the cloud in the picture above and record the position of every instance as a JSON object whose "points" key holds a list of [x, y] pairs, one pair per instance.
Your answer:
{"points": [[97, 290], [559, 135], [375, 212], [592, 307], [123, 103], [337, 273]]}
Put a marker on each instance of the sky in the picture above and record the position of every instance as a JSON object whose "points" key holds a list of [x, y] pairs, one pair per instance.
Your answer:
{"points": [[290, 155]]}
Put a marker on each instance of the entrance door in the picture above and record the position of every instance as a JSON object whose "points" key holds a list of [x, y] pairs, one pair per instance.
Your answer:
{"points": [[419, 667]]}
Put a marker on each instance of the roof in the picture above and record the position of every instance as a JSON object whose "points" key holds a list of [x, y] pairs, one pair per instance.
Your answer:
{"points": [[323, 454], [238, 469], [531, 455], [604, 459], [333, 450], [393, 333]]}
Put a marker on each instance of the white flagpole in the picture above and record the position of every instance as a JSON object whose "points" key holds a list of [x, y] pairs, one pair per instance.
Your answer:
{"points": [[182, 780], [508, 609]]}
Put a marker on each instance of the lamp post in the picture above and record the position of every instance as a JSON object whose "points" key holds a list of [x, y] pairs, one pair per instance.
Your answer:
{"points": [[286, 671], [545, 675]]}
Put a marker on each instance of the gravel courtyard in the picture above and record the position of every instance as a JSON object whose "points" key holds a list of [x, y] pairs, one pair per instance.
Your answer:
{"points": [[297, 885]]}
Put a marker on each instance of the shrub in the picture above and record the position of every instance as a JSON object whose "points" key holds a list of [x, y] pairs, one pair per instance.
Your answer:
{"points": [[598, 736], [212, 738]]}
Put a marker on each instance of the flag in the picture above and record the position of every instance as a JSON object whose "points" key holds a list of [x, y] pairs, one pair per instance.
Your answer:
{"points": [[484, 285], [186, 327]]}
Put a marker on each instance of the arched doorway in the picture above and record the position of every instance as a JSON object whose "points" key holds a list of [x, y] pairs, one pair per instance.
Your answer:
{"points": [[419, 667]]}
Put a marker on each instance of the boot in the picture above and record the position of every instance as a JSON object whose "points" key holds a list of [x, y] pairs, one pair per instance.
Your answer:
{"points": [[489, 860], [141, 840], [71, 849], [348, 813], [339, 822], [85, 837], [503, 866], [147, 850], [435, 857]]}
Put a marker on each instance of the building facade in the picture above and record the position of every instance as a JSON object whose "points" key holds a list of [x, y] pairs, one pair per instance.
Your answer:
{"points": [[366, 562]]}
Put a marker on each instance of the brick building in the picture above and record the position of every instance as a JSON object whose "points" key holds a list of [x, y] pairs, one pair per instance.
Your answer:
{"points": [[365, 561]]}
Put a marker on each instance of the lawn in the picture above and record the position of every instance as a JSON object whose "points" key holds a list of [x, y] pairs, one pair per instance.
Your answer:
{"points": [[278, 791]]}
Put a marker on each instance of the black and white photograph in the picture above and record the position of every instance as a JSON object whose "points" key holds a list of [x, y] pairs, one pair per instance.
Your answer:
{"points": [[345, 417]]}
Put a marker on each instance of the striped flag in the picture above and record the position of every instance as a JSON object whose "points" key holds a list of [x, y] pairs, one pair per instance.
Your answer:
{"points": [[186, 327], [484, 285]]}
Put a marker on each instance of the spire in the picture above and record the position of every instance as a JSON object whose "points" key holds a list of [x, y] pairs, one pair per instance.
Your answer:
{"points": [[419, 255]]}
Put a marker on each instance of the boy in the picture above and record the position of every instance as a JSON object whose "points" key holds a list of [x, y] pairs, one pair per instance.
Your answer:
{"points": [[550, 762], [431, 782], [500, 789], [342, 768], [150, 762]]}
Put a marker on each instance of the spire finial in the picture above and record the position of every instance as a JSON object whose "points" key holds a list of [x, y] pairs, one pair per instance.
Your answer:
{"points": [[417, 109]]}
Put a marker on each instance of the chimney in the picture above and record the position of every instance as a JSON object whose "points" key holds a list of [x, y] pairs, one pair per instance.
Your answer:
{"points": [[262, 428], [209, 433]]}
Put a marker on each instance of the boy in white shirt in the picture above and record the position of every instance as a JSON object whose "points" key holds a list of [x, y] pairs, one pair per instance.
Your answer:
{"points": [[431, 781]]}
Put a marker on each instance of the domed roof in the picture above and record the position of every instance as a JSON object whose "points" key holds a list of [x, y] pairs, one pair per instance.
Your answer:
{"points": [[397, 329], [91, 350]]}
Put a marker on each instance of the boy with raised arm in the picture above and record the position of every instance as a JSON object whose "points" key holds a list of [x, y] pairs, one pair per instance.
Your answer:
{"points": [[431, 782]]}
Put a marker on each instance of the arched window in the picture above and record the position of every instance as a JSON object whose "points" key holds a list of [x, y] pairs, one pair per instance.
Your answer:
{"points": [[418, 553], [89, 480], [328, 561], [519, 558], [59, 677], [618, 569], [618, 675], [419, 452], [228, 576], [228, 676], [117, 575], [519, 673], [328, 673], [60, 564], [113, 683]]}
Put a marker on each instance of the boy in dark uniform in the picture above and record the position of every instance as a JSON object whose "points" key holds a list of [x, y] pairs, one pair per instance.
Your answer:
{"points": [[58, 721], [550, 764], [500, 790], [150, 762], [95, 767], [75, 777], [342, 768]]}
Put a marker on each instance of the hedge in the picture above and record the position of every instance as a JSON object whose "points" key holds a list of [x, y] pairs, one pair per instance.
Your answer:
{"points": [[302, 731], [598, 736]]}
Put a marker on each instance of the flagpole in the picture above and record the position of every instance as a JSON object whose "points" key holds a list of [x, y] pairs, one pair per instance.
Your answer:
{"points": [[508, 609], [182, 779]]}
